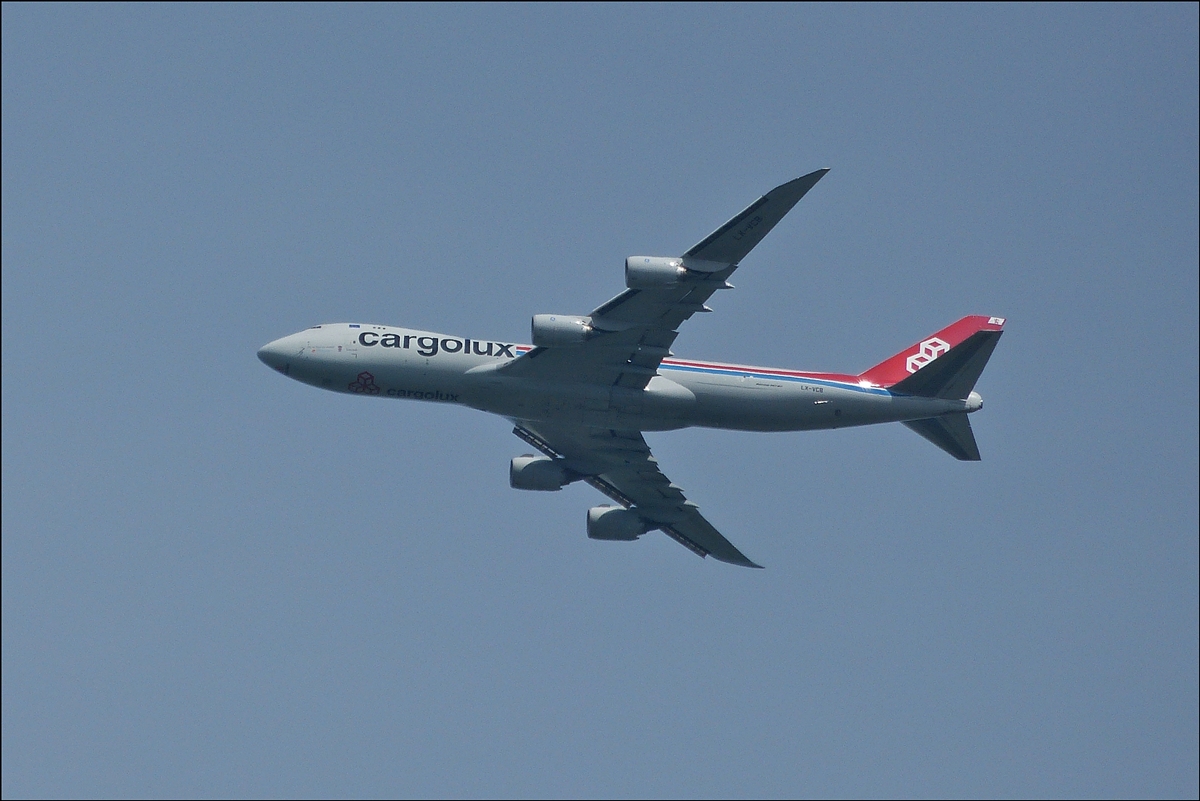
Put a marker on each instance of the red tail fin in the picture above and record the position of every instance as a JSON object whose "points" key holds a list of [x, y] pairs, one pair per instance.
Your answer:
{"points": [[912, 359]]}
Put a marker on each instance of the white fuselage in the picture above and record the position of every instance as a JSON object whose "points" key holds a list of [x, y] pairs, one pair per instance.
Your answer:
{"points": [[393, 362]]}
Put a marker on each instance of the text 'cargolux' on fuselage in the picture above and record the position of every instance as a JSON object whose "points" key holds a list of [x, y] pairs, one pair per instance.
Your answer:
{"points": [[587, 386]]}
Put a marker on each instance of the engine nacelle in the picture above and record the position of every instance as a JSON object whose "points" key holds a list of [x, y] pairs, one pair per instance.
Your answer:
{"points": [[615, 523], [560, 330], [647, 272], [539, 473]]}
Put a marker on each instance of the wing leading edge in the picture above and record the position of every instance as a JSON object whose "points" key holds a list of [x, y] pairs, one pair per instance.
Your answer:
{"points": [[619, 464]]}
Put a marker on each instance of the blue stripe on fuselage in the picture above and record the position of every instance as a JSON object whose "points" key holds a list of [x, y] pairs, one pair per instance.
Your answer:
{"points": [[772, 376]]}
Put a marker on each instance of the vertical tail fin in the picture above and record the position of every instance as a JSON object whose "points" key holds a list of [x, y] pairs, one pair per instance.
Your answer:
{"points": [[944, 365]]}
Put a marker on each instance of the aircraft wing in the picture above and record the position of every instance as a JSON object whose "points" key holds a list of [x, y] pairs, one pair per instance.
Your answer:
{"points": [[619, 464], [732, 241], [635, 329]]}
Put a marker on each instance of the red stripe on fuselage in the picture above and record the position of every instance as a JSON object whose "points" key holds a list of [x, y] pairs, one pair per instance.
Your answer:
{"points": [[742, 368], [839, 378]]}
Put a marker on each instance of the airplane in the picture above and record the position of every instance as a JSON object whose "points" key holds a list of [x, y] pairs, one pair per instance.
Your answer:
{"points": [[582, 394]]}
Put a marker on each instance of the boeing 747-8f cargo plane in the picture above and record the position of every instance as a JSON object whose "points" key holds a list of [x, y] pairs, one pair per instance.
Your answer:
{"points": [[588, 387]]}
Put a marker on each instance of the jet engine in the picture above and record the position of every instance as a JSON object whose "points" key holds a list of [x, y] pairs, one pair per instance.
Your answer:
{"points": [[647, 272], [560, 330], [542, 473], [615, 523]]}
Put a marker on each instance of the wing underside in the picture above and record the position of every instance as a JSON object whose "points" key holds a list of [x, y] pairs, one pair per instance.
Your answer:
{"points": [[620, 465]]}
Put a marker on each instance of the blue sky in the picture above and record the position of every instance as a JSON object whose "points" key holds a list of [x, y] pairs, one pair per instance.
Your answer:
{"points": [[217, 582]]}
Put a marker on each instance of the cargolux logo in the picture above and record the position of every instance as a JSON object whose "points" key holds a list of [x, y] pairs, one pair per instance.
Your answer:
{"points": [[930, 350], [430, 346], [365, 383]]}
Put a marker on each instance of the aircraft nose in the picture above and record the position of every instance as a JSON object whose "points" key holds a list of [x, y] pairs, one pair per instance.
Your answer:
{"points": [[277, 355]]}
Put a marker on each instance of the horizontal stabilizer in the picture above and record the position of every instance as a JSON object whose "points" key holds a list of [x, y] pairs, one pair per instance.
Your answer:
{"points": [[952, 433]]}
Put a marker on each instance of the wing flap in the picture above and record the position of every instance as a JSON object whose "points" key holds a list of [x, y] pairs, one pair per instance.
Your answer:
{"points": [[699, 532]]}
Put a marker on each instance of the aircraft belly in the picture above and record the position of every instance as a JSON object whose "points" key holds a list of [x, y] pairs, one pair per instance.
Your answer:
{"points": [[678, 399], [747, 402], [662, 406]]}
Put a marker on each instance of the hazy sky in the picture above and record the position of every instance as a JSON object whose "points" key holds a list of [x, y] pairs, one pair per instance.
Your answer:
{"points": [[219, 582]]}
